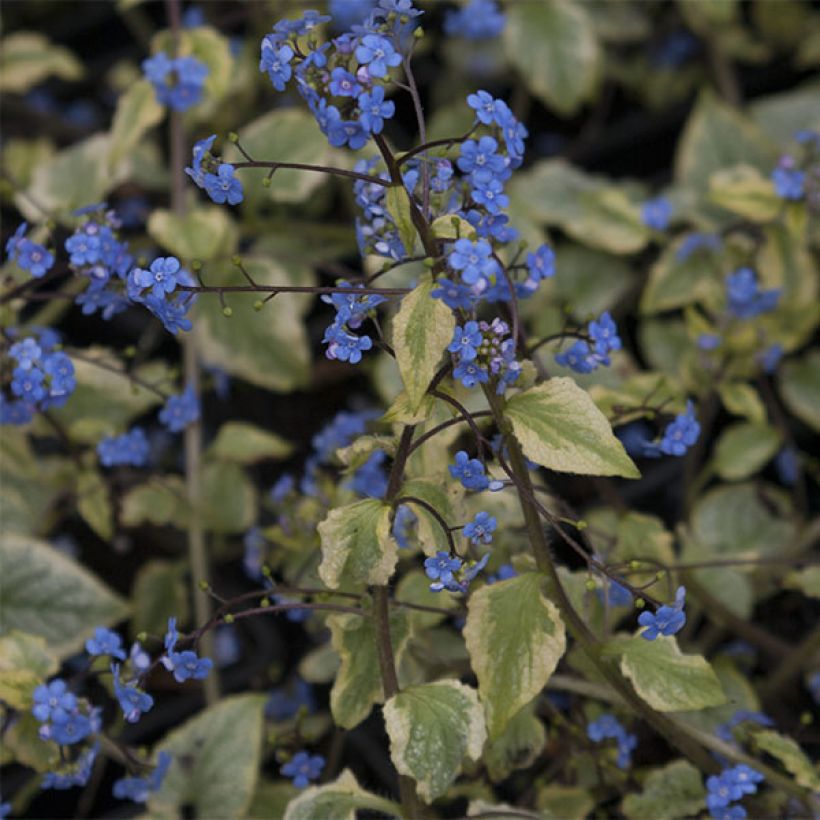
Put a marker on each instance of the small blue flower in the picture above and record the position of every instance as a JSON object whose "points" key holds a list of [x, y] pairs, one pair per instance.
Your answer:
{"points": [[604, 333], [579, 357], [139, 788], [789, 182], [285, 701], [466, 341], [34, 258], [441, 568], [473, 259], [200, 148], [378, 54], [480, 530], [656, 213], [483, 104], [481, 156], [668, 620], [53, 702], [223, 186], [469, 471], [105, 642], [74, 729], [303, 768], [541, 264], [503, 573], [187, 665], [744, 298], [478, 20], [27, 353], [275, 60], [131, 448], [374, 110], [608, 727], [455, 295], [681, 433], [345, 84], [133, 701], [770, 358], [178, 83], [161, 278], [180, 411]]}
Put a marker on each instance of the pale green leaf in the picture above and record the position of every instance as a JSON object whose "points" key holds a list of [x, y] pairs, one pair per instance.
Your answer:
{"points": [[229, 498], [202, 233], [517, 747], [589, 280], [793, 758], [284, 135], [137, 111], [608, 220], [742, 399], [664, 677], [160, 501], [216, 757], [441, 497], [358, 686], [673, 791], [271, 798], [432, 728], [800, 387], [450, 226], [743, 449], [397, 202], [356, 454], [414, 588], [515, 637], [246, 443], [357, 545], [23, 742], [25, 663], [745, 191], [27, 58], [339, 800], [267, 347], [566, 802], [403, 411], [159, 593], [807, 580], [45, 593], [560, 428], [94, 503], [779, 116], [422, 330], [554, 47]]}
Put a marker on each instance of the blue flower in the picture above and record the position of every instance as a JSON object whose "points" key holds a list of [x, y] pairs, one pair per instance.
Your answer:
{"points": [[77, 774], [745, 299], [344, 84], [370, 480], [180, 411], [34, 258], [604, 333], [178, 83], [402, 522], [345, 346], [480, 530], [481, 157], [483, 104], [789, 182], [608, 727], [53, 702], [28, 384], [139, 788], [285, 701], [697, 243], [378, 54], [579, 357], [478, 20], [131, 448], [441, 568], [469, 471], [275, 60], [489, 192], [187, 665], [470, 373], [374, 110], [303, 768], [201, 147], [466, 341], [541, 264], [681, 433], [27, 353], [668, 620], [161, 278], [473, 259], [74, 729], [656, 213], [455, 295], [223, 186], [105, 642], [133, 701], [770, 358]]}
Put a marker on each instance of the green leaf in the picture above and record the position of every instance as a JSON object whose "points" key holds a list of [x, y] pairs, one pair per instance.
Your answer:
{"points": [[356, 454], [202, 233], [137, 111], [664, 677], [403, 411], [432, 728], [515, 637], [560, 428], [590, 281], [22, 741], [25, 662], [730, 586], [799, 382], [339, 800], [94, 503], [716, 137], [397, 202], [554, 47], [357, 546], [358, 685], [422, 329], [608, 220], [45, 593], [246, 443], [743, 449], [745, 191], [414, 588], [673, 791], [741, 399], [807, 580], [229, 498], [159, 593], [790, 755], [268, 347], [440, 495], [517, 747], [216, 757], [105, 402], [271, 798], [162, 501], [452, 227], [779, 116], [286, 135], [28, 58], [566, 802]]}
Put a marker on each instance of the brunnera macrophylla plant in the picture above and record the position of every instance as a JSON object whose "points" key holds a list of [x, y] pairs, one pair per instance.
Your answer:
{"points": [[524, 653]]}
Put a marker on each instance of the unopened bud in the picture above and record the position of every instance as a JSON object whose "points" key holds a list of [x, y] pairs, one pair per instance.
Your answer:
{"points": [[233, 137], [227, 312]]}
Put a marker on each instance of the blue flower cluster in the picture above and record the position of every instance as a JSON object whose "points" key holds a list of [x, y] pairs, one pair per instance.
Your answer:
{"points": [[303, 768], [60, 714], [482, 352], [43, 377], [680, 434], [131, 448], [351, 310], [218, 179], [668, 620], [729, 786], [451, 573], [608, 727], [156, 288], [478, 20], [339, 79], [178, 83], [744, 298], [30, 256], [580, 357]]}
